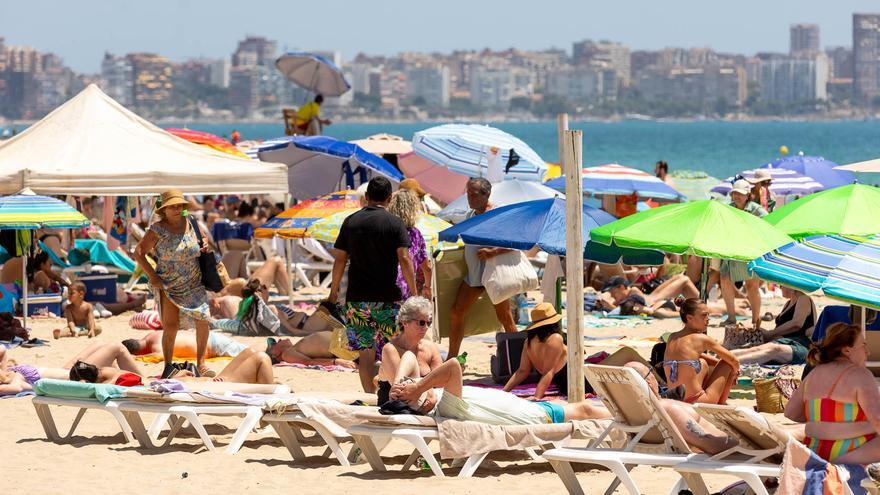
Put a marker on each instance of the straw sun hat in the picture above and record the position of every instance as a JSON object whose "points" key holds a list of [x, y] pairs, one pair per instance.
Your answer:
{"points": [[171, 197], [761, 175], [543, 314]]}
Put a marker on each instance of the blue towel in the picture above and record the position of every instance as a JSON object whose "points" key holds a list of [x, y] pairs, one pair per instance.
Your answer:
{"points": [[20, 394]]}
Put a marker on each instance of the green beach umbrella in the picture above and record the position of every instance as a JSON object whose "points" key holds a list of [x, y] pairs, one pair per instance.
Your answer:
{"points": [[703, 228], [853, 209]]}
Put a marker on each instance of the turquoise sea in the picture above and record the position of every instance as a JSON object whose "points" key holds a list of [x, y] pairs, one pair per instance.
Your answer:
{"points": [[718, 148]]}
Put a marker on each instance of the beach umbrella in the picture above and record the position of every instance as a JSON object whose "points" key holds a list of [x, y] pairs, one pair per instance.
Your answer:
{"points": [[28, 211], [207, 140], [503, 194], [842, 267], [384, 144], [616, 179], [785, 182], [532, 223], [694, 184], [327, 229], [865, 166], [845, 210], [464, 149], [436, 180], [319, 165], [819, 169], [313, 72], [706, 228], [292, 222]]}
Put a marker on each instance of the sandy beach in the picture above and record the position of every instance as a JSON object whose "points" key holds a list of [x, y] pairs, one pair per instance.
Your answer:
{"points": [[97, 460]]}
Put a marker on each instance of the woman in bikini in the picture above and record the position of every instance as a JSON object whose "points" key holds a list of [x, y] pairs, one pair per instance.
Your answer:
{"points": [[839, 400], [706, 379]]}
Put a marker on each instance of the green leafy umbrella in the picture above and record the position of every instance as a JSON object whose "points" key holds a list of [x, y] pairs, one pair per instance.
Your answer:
{"points": [[846, 210], [703, 228]]}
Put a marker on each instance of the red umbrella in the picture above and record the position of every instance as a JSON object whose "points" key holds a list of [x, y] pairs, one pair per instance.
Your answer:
{"points": [[207, 139]]}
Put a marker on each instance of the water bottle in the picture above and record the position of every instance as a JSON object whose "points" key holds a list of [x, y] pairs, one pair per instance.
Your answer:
{"points": [[462, 358]]}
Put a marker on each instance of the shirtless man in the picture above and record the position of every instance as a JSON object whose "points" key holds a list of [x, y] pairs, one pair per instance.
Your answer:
{"points": [[219, 345], [311, 350]]}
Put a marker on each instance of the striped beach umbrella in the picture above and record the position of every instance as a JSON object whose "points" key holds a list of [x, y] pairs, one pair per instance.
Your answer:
{"points": [[821, 170], [26, 210], [784, 182], [464, 149], [327, 229], [616, 179], [207, 140], [842, 267], [293, 222]]}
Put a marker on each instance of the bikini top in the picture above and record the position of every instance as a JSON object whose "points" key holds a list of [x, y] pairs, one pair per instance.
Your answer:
{"points": [[696, 364], [829, 410]]}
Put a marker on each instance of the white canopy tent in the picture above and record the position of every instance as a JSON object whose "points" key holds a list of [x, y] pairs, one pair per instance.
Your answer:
{"points": [[92, 145]]}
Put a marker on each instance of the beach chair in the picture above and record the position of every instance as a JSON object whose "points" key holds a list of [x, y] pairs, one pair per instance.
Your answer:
{"points": [[378, 430], [870, 486], [176, 409], [80, 396], [761, 445]]}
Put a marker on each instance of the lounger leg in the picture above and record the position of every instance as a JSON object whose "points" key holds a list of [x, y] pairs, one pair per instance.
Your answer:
{"points": [[200, 429], [411, 460], [138, 430], [332, 444], [530, 451], [157, 425], [419, 442], [365, 443], [289, 439], [48, 422], [697, 486], [754, 483], [76, 421], [622, 473], [567, 476], [126, 430], [471, 465], [251, 420]]}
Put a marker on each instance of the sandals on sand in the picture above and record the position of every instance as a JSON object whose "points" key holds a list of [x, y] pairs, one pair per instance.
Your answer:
{"points": [[206, 372]]}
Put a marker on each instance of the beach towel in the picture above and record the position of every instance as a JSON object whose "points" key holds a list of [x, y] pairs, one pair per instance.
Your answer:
{"points": [[103, 392], [315, 367], [145, 320], [804, 472], [26, 393]]}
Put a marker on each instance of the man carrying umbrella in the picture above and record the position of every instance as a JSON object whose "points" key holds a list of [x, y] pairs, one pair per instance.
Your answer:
{"points": [[375, 242], [308, 118], [738, 271], [478, 190]]}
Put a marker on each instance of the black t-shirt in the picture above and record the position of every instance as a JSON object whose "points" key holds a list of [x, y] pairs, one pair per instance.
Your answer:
{"points": [[371, 238]]}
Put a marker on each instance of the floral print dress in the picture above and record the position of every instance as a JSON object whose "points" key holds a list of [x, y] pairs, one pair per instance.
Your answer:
{"points": [[177, 264]]}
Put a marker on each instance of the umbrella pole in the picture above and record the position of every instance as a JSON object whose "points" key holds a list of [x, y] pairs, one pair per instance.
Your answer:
{"points": [[24, 294], [287, 247], [863, 311], [574, 267]]}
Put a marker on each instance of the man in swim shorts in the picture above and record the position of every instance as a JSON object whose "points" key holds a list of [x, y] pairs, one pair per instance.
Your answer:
{"points": [[219, 345]]}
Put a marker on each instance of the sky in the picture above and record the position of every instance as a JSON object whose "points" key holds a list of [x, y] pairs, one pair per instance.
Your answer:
{"points": [[81, 31]]}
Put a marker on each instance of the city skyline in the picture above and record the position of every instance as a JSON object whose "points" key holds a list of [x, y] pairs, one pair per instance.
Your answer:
{"points": [[99, 26]]}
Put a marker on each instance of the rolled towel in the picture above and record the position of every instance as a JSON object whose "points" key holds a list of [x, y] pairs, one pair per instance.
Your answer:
{"points": [[145, 320]]}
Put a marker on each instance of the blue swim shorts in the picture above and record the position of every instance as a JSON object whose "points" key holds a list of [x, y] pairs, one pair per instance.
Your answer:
{"points": [[554, 411]]}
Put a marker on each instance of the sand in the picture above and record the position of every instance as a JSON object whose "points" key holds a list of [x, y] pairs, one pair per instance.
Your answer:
{"points": [[97, 460]]}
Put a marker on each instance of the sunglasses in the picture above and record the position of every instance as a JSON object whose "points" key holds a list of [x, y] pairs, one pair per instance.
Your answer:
{"points": [[423, 323]]}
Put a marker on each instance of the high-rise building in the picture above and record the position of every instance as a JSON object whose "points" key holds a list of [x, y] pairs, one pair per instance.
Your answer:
{"points": [[576, 84], [866, 56], [219, 71], [254, 50], [704, 85], [430, 83], [840, 62], [804, 39], [152, 79], [604, 54], [244, 90], [117, 79], [491, 88], [792, 79]]}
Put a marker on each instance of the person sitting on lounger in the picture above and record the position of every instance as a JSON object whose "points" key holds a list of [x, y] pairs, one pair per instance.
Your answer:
{"points": [[313, 350], [789, 342], [248, 367], [839, 400], [41, 277], [705, 378], [415, 317], [219, 345]]}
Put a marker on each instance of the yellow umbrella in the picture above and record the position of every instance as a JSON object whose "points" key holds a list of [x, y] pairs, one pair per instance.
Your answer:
{"points": [[327, 228], [292, 222]]}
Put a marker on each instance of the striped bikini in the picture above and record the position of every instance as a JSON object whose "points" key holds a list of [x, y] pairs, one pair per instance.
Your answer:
{"points": [[832, 411]]}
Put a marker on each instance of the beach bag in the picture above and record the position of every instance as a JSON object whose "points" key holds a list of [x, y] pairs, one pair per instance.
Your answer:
{"points": [[10, 327], [772, 394], [207, 263], [145, 320], [739, 337], [507, 275], [508, 353], [339, 345], [259, 320]]}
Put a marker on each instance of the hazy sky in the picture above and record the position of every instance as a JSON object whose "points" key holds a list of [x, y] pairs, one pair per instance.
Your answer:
{"points": [[80, 31]]}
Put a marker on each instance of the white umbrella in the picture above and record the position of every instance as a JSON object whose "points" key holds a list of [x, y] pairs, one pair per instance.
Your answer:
{"points": [[313, 72], [384, 144]]}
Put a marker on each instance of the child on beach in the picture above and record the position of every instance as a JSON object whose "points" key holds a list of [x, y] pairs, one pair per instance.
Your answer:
{"points": [[80, 315]]}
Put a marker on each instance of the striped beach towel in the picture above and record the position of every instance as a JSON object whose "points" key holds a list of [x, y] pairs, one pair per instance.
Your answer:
{"points": [[804, 472]]}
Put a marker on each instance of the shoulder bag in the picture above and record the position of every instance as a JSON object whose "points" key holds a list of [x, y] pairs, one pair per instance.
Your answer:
{"points": [[207, 262]]}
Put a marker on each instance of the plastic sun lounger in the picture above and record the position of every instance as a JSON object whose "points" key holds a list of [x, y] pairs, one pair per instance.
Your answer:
{"points": [[870, 487], [44, 413], [419, 431], [638, 414], [289, 427], [758, 439]]}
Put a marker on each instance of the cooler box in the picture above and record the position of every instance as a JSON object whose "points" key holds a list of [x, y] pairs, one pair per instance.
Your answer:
{"points": [[51, 302], [100, 287]]}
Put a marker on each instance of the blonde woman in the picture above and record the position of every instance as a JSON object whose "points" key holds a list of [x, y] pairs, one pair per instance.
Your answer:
{"points": [[177, 277], [405, 205]]}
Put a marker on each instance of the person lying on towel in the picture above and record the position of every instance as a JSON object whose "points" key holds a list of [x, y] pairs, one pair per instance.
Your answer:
{"points": [[219, 345]]}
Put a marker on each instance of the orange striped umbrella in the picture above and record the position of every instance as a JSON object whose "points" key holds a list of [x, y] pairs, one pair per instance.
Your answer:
{"points": [[207, 139], [293, 222]]}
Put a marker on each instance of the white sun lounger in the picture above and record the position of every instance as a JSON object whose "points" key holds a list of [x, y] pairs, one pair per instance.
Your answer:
{"points": [[289, 427], [44, 413]]}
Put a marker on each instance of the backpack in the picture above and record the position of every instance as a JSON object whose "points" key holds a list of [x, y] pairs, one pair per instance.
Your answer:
{"points": [[509, 349]]}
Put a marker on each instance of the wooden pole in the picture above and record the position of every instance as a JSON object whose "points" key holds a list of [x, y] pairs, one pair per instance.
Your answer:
{"points": [[572, 160], [561, 127]]}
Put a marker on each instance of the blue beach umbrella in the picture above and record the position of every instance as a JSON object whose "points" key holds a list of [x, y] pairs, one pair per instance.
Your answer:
{"points": [[313, 72], [320, 165], [785, 182], [532, 223], [616, 179], [815, 167], [842, 267], [464, 149]]}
